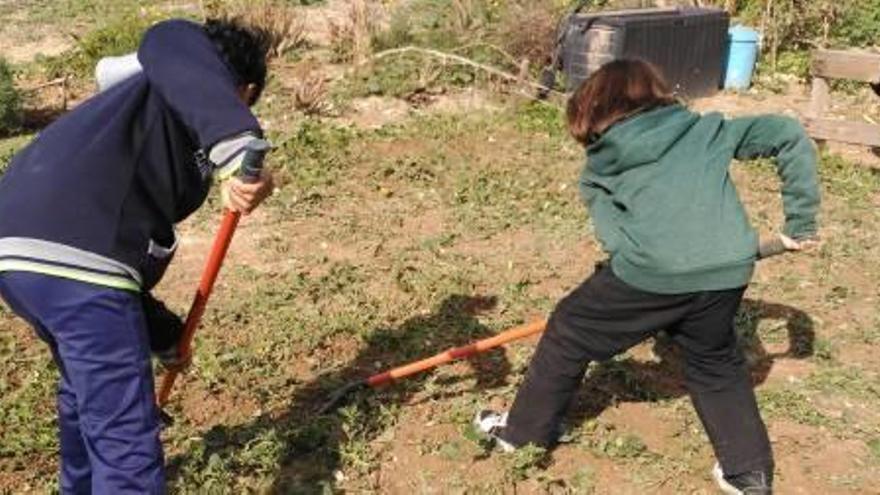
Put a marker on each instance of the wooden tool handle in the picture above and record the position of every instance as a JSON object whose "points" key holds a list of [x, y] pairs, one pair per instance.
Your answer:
{"points": [[511, 335], [209, 276]]}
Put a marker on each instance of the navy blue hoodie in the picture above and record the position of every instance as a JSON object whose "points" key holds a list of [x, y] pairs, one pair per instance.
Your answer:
{"points": [[96, 195]]}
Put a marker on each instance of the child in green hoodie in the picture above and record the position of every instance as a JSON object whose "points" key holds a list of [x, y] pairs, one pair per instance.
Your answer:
{"points": [[681, 253]]}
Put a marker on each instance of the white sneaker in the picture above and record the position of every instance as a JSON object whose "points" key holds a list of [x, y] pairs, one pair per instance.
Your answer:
{"points": [[751, 483], [490, 423]]}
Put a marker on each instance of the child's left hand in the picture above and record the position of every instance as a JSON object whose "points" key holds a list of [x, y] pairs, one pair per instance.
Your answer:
{"points": [[244, 197], [805, 244]]}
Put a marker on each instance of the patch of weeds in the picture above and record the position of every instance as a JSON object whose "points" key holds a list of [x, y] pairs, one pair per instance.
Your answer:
{"points": [[260, 455], [838, 295], [525, 462], [119, 36], [69, 10], [870, 334], [604, 440], [852, 382], [9, 148], [626, 446], [209, 471], [874, 449], [453, 450], [10, 102], [583, 481], [777, 78], [538, 117], [354, 449], [27, 410], [791, 404], [411, 169], [437, 24], [311, 159], [823, 350], [407, 74], [853, 182], [481, 441]]}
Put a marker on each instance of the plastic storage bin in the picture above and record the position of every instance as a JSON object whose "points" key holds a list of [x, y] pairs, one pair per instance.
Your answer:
{"points": [[687, 44], [742, 55]]}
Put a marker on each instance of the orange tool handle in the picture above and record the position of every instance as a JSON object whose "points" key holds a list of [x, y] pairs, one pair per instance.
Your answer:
{"points": [[209, 276], [477, 347]]}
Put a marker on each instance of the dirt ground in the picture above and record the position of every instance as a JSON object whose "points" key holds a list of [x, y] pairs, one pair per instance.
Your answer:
{"points": [[399, 230]]}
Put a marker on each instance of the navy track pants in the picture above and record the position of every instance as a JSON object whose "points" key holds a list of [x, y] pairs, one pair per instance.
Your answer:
{"points": [[108, 420]]}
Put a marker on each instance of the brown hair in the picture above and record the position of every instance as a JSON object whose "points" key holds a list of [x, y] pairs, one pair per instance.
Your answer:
{"points": [[616, 91]]}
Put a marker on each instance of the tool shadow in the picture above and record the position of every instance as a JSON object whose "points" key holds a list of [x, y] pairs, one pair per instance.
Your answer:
{"points": [[632, 380], [313, 447], [311, 444]]}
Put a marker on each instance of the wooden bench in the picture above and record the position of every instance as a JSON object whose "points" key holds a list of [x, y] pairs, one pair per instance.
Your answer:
{"points": [[841, 64]]}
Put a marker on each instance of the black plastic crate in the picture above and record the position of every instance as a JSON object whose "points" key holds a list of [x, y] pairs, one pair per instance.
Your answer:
{"points": [[687, 44]]}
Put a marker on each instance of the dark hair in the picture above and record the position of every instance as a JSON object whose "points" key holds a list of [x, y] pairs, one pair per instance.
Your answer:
{"points": [[618, 90], [244, 49]]}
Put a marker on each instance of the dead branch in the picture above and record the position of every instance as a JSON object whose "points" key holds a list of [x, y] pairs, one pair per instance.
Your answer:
{"points": [[61, 81], [457, 59]]}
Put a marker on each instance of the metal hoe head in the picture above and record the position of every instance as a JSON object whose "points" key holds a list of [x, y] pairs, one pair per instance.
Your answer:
{"points": [[340, 395]]}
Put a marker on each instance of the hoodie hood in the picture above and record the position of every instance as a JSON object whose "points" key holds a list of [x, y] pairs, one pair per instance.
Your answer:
{"points": [[655, 131], [111, 71]]}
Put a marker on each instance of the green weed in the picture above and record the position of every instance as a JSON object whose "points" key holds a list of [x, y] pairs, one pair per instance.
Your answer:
{"points": [[312, 158], [583, 482], [538, 117], [525, 462], [852, 382], [874, 448], [791, 404], [623, 446], [10, 101], [355, 451], [27, 409], [824, 350], [854, 182], [8, 149], [120, 35]]}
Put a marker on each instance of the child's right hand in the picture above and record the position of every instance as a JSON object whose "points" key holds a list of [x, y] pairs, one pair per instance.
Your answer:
{"points": [[245, 197]]}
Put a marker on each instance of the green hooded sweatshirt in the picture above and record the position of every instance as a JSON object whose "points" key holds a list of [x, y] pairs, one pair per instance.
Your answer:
{"points": [[664, 205]]}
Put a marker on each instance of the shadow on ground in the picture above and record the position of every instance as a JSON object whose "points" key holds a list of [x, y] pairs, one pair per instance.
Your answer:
{"points": [[632, 380], [311, 444], [313, 447]]}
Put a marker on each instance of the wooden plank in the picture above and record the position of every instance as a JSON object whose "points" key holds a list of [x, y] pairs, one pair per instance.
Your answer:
{"points": [[820, 97], [847, 64], [843, 131]]}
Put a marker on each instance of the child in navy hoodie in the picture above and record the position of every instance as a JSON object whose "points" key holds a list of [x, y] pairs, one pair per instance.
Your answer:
{"points": [[87, 215]]}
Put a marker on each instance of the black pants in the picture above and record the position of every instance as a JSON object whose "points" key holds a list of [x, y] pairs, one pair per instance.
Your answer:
{"points": [[604, 317]]}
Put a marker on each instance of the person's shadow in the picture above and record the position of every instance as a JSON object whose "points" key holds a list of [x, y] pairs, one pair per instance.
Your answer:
{"points": [[632, 380], [308, 448], [312, 445]]}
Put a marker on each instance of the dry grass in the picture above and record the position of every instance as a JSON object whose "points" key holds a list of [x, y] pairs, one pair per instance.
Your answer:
{"points": [[528, 31], [310, 91], [350, 37], [281, 22]]}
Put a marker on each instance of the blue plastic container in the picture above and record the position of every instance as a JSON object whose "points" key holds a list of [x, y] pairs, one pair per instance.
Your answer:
{"points": [[742, 53]]}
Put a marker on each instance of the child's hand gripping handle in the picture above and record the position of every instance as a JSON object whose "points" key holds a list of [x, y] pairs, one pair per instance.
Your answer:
{"points": [[250, 171]]}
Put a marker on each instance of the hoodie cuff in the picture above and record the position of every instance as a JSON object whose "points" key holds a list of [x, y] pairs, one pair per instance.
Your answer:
{"points": [[228, 155], [800, 228]]}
